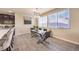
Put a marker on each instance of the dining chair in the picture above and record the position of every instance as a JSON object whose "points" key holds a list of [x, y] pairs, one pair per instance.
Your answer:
{"points": [[45, 29], [44, 37], [33, 32], [39, 37], [47, 35], [40, 28]]}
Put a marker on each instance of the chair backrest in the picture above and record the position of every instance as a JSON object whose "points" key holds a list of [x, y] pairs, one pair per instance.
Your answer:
{"points": [[40, 28], [9, 38], [45, 29], [47, 34], [31, 29], [38, 35]]}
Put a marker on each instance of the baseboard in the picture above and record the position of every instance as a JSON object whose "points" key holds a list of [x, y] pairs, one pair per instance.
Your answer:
{"points": [[21, 34], [67, 40]]}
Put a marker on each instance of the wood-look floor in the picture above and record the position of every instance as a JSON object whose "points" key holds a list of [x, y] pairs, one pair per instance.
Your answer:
{"points": [[27, 43]]}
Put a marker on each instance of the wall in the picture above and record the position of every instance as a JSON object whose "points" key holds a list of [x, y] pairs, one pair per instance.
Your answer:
{"points": [[20, 28], [72, 34]]}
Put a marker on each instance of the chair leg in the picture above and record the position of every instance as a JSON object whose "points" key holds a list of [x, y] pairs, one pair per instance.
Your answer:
{"points": [[39, 41], [46, 42], [11, 45], [8, 49], [12, 42]]}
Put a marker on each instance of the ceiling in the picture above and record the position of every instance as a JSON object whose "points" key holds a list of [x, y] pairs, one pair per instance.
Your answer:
{"points": [[25, 11]]}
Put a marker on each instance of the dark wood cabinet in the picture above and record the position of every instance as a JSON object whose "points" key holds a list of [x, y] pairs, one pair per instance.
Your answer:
{"points": [[7, 19]]}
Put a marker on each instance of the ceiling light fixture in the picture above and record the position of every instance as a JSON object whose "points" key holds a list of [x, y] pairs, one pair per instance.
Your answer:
{"points": [[36, 13]]}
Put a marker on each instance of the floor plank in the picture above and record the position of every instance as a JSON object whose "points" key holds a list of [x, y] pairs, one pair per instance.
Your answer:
{"points": [[27, 43]]}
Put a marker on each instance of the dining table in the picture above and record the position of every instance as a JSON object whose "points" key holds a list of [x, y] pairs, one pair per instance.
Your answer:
{"points": [[39, 33], [42, 32]]}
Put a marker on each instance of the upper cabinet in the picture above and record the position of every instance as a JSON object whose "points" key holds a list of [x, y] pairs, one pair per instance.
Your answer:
{"points": [[7, 19]]}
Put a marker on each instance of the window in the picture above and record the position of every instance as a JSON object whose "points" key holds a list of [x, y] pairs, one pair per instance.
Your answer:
{"points": [[63, 19], [42, 22], [59, 20], [52, 23]]}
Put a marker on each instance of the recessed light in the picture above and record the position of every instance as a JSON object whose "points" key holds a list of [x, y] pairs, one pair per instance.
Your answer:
{"points": [[10, 11]]}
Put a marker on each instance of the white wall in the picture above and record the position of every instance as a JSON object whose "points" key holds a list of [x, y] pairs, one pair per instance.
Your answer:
{"points": [[72, 34], [20, 27]]}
